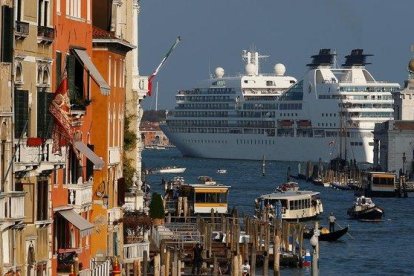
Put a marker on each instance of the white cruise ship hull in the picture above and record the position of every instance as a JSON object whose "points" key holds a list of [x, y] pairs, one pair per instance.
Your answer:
{"points": [[252, 147]]}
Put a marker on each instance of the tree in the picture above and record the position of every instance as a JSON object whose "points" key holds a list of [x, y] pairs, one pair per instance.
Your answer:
{"points": [[156, 207]]}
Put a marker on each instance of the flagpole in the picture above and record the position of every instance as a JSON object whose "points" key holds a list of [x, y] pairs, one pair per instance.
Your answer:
{"points": [[156, 98]]}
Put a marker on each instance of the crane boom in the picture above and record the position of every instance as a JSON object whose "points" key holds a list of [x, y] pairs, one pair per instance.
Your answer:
{"points": [[154, 74]]}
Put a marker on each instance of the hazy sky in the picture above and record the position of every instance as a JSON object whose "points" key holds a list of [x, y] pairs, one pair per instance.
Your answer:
{"points": [[214, 33]]}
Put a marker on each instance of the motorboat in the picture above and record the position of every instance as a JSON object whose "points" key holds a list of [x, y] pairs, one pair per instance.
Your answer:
{"points": [[289, 205], [221, 171], [365, 209], [173, 169]]}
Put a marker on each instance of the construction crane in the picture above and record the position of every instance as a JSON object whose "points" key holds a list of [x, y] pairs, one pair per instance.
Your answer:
{"points": [[154, 74]]}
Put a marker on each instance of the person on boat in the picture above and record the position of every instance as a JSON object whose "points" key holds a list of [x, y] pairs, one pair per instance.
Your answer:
{"points": [[197, 259], [245, 268], [332, 220]]}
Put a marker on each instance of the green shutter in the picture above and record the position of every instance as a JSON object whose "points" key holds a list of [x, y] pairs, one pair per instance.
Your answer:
{"points": [[58, 68], [44, 118], [70, 66], [21, 114], [7, 34]]}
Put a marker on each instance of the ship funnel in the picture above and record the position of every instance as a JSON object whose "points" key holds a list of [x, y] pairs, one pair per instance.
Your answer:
{"points": [[324, 58], [356, 58]]}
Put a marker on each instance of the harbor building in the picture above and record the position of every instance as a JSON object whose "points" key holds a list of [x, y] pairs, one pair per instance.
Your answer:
{"points": [[393, 140]]}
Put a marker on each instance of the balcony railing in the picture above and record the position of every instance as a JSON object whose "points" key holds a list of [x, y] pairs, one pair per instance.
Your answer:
{"points": [[80, 195], [115, 214], [40, 156], [135, 251], [2, 206], [22, 30], [12, 206], [45, 34], [114, 155]]}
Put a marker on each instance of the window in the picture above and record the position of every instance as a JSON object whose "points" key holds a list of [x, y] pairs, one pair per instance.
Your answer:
{"points": [[42, 200], [7, 34], [73, 8], [21, 103], [18, 10], [43, 13], [44, 118], [18, 77]]}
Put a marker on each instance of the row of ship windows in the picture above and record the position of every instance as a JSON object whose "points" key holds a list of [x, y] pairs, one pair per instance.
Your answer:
{"points": [[203, 106], [368, 89], [204, 98], [271, 132], [201, 141]]}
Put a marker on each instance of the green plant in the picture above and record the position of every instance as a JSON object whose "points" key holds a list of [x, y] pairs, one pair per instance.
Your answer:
{"points": [[156, 207]]}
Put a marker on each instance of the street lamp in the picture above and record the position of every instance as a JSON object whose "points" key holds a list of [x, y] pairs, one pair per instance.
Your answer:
{"points": [[314, 242]]}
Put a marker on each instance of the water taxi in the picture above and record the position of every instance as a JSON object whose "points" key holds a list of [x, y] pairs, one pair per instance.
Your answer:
{"points": [[199, 198], [381, 184], [290, 205]]}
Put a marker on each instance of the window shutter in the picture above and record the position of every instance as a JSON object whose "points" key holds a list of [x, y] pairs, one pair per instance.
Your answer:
{"points": [[21, 114], [89, 164], [44, 118], [70, 66], [7, 34], [58, 68], [121, 191]]}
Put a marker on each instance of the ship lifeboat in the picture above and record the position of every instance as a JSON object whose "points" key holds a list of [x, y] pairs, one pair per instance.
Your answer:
{"points": [[286, 123], [304, 123]]}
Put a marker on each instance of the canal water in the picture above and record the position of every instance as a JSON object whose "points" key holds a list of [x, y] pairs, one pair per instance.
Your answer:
{"points": [[380, 248]]}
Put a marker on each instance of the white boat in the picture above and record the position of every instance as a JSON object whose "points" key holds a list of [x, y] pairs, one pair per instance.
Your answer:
{"points": [[295, 205], [254, 115], [222, 171], [201, 197], [169, 170]]}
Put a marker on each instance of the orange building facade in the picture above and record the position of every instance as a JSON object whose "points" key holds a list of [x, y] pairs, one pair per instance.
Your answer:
{"points": [[72, 192], [109, 53]]}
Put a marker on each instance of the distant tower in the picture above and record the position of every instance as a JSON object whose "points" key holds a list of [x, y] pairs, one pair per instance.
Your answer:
{"points": [[404, 99]]}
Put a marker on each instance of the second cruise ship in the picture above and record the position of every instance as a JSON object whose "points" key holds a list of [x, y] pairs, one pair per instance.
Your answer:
{"points": [[330, 113]]}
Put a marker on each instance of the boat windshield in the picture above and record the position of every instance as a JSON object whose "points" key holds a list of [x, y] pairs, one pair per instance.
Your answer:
{"points": [[211, 197]]}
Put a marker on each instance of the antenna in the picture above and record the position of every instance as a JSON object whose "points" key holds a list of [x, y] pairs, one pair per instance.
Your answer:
{"points": [[209, 69]]}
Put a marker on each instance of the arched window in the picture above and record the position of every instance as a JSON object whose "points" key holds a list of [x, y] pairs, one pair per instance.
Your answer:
{"points": [[18, 74], [39, 74], [46, 76]]}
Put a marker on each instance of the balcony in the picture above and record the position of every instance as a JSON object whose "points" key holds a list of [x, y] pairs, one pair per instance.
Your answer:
{"points": [[45, 34], [12, 206], [115, 214], [33, 153], [114, 156], [135, 251], [22, 30], [80, 195]]}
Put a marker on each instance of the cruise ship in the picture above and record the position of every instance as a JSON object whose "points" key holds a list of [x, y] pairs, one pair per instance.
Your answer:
{"points": [[328, 114]]}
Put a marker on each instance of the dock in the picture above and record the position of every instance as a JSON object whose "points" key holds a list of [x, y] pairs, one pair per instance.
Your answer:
{"points": [[227, 241]]}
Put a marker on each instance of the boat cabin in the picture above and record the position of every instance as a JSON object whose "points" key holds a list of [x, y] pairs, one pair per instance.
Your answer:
{"points": [[293, 205], [202, 197], [379, 184]]}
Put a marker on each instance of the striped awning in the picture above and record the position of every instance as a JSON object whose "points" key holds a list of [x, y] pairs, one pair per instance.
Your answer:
{"points": [[84, 226], [96, 160], [93, 71]]}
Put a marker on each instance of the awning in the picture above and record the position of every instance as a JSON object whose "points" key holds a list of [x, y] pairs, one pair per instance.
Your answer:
{"points": [[93, 71], [96, 160], [84, 226]]}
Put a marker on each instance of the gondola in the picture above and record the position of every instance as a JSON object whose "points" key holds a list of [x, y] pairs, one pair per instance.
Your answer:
{"points": [[326, 236]]}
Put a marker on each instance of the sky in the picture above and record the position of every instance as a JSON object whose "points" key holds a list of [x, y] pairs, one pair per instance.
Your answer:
{"points": [[214, 33]]}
